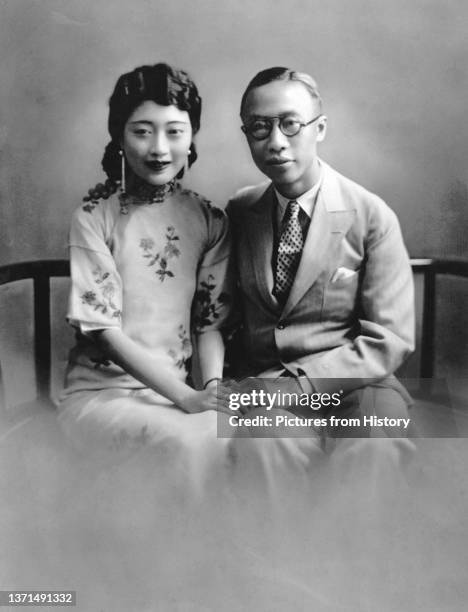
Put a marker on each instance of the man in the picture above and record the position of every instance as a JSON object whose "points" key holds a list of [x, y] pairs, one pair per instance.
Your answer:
{"points": [[325, 280]]}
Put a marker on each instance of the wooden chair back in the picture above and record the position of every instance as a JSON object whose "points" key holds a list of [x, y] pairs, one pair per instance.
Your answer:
{"points": [[40, 272]]}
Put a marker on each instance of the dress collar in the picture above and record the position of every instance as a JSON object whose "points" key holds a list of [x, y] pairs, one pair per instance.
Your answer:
{"points": [[141, 192]]}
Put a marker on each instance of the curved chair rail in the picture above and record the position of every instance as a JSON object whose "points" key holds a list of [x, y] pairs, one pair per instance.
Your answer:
{"points": [[41, 271]]}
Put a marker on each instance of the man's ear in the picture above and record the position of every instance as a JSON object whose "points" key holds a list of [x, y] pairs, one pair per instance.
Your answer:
{"points": [[322, 128]]}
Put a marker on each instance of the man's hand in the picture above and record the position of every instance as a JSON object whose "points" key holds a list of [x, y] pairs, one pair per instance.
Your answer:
{"points": [[259, 388]]}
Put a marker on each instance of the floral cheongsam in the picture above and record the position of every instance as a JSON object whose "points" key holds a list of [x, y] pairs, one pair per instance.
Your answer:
{"points": [[156, 270]]}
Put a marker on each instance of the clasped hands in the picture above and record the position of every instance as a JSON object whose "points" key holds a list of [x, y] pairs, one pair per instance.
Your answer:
{"points": [[235, 397]]}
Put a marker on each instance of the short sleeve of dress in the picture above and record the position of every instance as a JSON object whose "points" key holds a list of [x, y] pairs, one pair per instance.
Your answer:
{"points": [[96, 288], [213, 296]]}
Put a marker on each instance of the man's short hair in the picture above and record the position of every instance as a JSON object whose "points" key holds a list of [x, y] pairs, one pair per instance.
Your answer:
{"points": [[279, 73]]}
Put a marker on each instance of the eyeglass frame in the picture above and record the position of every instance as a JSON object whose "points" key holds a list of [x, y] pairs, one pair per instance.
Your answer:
{"points": [[280, 118]]}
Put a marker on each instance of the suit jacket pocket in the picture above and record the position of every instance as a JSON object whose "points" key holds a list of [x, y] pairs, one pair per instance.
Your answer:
{"points": [[342, 274], [340, 297]]}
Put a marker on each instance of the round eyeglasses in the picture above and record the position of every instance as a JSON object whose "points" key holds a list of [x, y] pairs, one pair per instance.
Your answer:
{"points": [[261, 127]]}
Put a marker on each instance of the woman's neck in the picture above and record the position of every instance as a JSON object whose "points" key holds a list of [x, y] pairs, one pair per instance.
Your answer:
{"points": [[145, 192]]}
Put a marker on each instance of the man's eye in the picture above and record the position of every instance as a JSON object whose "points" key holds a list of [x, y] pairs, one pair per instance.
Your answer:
{"points": [[259, 125], [289, 122]]}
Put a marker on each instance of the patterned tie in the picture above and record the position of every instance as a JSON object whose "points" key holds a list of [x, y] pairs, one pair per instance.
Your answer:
{"points": [[289, 252]]}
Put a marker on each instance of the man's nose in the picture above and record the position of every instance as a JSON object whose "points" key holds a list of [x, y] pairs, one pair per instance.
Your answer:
{"points": [[277, 141], [159, 144]]}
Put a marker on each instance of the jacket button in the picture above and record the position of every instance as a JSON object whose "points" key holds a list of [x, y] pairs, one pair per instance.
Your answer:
{"points": [[281, 326]]}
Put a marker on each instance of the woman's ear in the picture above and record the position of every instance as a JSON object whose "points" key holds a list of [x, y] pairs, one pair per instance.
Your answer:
{"points": [[192, 156]]}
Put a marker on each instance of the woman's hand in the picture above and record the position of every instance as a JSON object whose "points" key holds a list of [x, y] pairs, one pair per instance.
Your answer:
{"points": [[211, 398]]}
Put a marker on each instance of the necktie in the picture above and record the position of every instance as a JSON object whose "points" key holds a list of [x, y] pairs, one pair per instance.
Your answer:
{"points": [[289, 252]]}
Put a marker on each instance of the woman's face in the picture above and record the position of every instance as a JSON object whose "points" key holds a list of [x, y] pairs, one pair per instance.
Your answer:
{"points": [[156, 141]]}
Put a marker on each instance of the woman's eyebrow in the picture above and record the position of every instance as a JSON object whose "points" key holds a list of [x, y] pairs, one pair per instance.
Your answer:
{"points": [[148, 122], [141, 121]]}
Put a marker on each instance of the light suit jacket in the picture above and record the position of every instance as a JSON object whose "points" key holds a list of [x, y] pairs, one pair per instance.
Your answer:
{"points": [[349, 318]]}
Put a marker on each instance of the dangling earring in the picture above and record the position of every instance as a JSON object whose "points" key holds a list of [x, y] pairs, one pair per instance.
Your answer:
{"points": [[122, 170], [187, 165], [123, 204]]}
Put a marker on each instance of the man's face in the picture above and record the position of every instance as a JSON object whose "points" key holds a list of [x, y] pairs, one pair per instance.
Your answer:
{"points": [[289, 161]]}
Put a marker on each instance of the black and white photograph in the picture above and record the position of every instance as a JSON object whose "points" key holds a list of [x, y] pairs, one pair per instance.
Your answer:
{"points": [[233, 287]]}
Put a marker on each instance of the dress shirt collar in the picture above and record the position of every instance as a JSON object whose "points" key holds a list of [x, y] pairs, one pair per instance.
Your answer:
{"points": [[306, 201]]}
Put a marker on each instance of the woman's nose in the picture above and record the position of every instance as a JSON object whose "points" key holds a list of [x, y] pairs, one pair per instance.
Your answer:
{"points": [[159, 144]]}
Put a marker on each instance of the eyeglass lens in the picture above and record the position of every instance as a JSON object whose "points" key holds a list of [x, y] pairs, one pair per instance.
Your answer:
{"points": [[261, 128]]}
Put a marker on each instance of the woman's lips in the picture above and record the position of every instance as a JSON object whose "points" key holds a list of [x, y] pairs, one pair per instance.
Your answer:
{"points": [[156, 166]]}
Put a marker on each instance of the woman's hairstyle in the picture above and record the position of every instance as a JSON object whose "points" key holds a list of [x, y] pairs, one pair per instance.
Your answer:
{"points": [[159, 83], [281, 74]]}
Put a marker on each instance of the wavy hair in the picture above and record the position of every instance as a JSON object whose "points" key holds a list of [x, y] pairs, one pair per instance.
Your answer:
{"points": [[159, 83]]}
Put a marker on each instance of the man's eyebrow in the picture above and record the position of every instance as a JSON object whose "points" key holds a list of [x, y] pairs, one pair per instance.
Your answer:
{"points": [[291, 113]]}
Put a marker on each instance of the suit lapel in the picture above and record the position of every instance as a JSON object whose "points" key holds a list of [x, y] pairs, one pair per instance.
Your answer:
{"points": [[260, 238], [331, 220]]}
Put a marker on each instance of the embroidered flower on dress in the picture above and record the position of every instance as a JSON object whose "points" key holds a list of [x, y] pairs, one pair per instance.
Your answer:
{"points": [[89, 207], [170, 251], [105, 302], [99, 275], [218, 213], [147, 244], [89, 297], [206, 307], [181, 359]]}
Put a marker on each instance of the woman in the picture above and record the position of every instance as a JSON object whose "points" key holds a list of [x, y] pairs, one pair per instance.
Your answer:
{"points": [[149, 268]]}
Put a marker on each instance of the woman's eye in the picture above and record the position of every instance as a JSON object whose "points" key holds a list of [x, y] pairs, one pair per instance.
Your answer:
{"points": [[175, 132], [140, 131]]}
